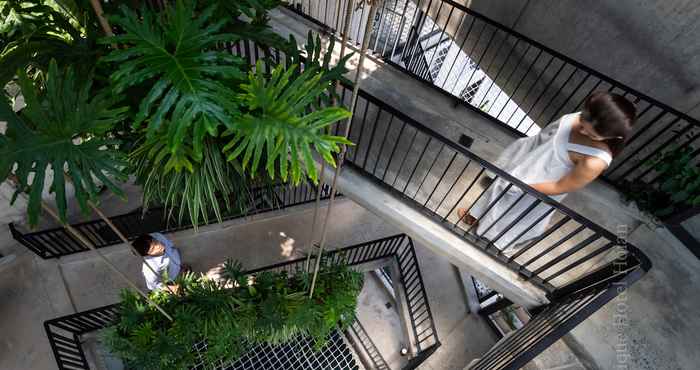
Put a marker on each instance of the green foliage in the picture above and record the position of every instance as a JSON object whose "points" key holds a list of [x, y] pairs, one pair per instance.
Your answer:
{"points": [[320, 63], [204, 125], [192, 85], [32, 32], [248, 20], [232, 315], [65, 128], [211, 187], [678, 186], [280, 125]]}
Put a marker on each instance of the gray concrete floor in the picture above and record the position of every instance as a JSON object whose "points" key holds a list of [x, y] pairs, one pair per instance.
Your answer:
{"points": [[35, 290]]}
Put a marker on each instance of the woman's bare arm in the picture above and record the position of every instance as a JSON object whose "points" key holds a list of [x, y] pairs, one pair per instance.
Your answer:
{"points": [[586, 170]]}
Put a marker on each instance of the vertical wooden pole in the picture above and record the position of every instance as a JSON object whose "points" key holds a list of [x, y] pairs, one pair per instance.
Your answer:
{"points": [[343, 150]]}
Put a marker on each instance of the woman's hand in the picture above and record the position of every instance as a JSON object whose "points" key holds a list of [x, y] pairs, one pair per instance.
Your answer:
{"points": [[585, 171]]}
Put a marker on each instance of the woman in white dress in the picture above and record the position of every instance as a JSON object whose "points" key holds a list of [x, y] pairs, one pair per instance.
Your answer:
{"points": [[566, 155]]}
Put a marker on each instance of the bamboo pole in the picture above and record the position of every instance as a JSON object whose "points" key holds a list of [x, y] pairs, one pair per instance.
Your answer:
{"points": [[125, 240], [89, 245], [97, 7], [321, 183], [71, 230], [343, 150]]}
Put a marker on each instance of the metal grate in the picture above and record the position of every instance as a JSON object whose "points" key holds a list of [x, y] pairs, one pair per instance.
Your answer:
{"points": [[298, 354]]}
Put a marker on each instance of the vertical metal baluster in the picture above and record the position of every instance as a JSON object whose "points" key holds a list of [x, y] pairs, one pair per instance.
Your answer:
{"points": [[420, 158], [481, 57], [381, 146], [498, 73], [488, 208], [571, 95], [634, 137], [393, 150], [478, 175], [461, 47], [469, 161], [408, 150], [538, 239], [402, 24], [469, 56], [362, 131], [442, 176], [551, 100], [442, 34], [517, 86], [529, 89], [378, 30], [391, 28], [420, 28], [504, 213], [554, 246], [371, 138], [658, 150], [580, 104], [427, 173], [544, 90]]}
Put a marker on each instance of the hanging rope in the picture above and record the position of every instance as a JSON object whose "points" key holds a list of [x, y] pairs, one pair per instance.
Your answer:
{"points": [[343, 149], [321, 182]]}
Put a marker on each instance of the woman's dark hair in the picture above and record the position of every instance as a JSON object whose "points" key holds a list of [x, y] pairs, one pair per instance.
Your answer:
{"points": [[142, 244], [611, 116]]}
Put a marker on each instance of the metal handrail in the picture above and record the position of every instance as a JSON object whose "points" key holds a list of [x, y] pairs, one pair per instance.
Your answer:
{"points": [[55, 242]]}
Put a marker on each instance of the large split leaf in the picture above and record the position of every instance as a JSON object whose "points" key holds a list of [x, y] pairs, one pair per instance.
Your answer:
{"points": [[175, 53], [32, 32], [63, 129], [281, 127]]}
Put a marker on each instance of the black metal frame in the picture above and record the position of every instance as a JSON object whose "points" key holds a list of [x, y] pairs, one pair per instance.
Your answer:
{"points": [[674, 224], [57, 242], [378, 361], [64, 332], [558, 87]]}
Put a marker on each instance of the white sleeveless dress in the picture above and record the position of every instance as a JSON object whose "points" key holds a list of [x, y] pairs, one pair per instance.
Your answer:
{"points": [[533, 160]]}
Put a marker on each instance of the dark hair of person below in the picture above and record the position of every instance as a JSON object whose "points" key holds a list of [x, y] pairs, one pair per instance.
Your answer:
{"points": [[611, 115], [142, 244]]}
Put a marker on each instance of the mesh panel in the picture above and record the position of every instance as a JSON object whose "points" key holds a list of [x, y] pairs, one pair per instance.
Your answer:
{"points": [[297, 354]]}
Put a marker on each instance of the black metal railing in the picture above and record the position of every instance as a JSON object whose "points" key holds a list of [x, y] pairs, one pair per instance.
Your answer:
{"points": [[439, 177], [57, 242], [64, 332], [527, 85], [571, 307], [366, 342]]}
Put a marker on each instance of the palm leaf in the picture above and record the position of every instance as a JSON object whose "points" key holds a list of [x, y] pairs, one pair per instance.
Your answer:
{"points": [[62, 128], [280, 127], [205, 191], [190, 81]]}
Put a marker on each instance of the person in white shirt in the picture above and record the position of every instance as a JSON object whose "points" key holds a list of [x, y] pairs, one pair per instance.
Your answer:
{"points": [[162, 257]]}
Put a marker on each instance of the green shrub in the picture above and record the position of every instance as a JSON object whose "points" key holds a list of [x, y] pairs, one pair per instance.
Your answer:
{"points": [[231, 315], [677, 189]]}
